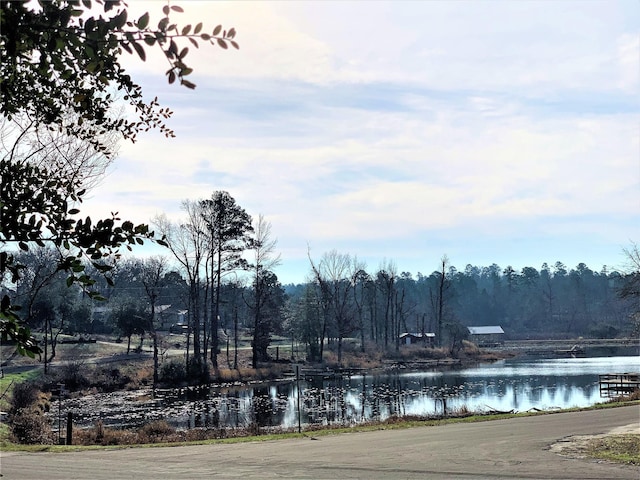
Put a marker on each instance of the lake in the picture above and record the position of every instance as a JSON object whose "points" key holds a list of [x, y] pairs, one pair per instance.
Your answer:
{"points": [[519, 384]]}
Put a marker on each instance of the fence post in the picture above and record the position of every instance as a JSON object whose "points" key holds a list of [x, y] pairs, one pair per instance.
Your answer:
{"points": [[69, 428]]}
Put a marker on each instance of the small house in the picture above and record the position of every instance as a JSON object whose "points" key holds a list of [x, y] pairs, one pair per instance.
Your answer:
{"points": [[417, 338], [486, 335], [167, 315]]}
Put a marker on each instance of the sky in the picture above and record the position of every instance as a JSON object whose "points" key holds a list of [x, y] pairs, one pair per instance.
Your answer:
{"points": [[500, 132]]}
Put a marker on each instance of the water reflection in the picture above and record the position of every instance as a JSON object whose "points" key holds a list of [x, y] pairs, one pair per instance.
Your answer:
{"points": [[514, 385]]}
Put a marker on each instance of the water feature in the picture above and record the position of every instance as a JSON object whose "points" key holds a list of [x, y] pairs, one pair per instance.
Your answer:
{"points": [[510, 385]]}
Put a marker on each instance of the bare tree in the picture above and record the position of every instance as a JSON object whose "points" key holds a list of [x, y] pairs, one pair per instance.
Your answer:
{"points": [[438, 297], [334, 276], [361, 279], [23, 140], [153, 270], [386, 280], [187, 243], [39, 290], [265, 260], [630, 288]]}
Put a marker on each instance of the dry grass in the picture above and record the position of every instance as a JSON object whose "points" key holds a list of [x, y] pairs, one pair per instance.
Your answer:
{"points": [[626, 398], [241, 374], [617, 448], [158, 431]]}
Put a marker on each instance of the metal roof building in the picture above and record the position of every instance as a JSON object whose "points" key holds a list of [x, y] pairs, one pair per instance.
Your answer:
{"points": [[488, 330], [409, 338]]}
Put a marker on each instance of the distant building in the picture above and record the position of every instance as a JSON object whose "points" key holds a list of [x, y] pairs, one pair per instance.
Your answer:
{"points": [[167, 315], [486, 335], [417, 338]]}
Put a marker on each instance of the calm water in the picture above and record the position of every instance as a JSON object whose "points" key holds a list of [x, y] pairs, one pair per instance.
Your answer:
{"points": [[519, 385]]}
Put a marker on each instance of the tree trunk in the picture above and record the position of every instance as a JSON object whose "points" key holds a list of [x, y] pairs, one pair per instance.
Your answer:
{"points": [[155, 358], [235, 338]]}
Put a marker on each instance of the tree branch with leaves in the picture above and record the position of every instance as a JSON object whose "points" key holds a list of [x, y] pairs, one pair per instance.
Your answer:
{"points": [[61, 70]]}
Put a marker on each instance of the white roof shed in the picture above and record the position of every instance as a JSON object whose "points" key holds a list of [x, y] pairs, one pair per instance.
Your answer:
{"points": [[488, 330]]}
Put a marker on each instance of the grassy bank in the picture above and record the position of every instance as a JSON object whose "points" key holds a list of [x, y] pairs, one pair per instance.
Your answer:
{"points": [[616, 448], [619, 448], [134, 373]]}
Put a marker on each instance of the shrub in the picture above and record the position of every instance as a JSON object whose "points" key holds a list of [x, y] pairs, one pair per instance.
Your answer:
{"points": [[30, 426], [173, 372], [74, 375], [198, 372], [603, 331], [101, 435], [156, 431], [24, 396], [109, 379]]}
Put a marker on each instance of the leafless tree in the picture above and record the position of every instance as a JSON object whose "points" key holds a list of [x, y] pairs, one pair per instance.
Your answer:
{"points": [[187, 243], [630, 288], [153, 270], [265, 260], [438, 296], [62, 155], [334, 276]]}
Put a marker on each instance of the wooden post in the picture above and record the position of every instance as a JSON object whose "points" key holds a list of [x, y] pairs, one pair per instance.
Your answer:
{"points": [[297, 367], [69, 428]]}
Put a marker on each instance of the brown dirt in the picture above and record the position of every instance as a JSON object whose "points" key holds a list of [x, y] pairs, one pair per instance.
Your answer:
{"points": [[578, 446]]}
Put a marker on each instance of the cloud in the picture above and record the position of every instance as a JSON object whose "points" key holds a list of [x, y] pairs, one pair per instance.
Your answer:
{"points": [[405, 130], [629, 62]]}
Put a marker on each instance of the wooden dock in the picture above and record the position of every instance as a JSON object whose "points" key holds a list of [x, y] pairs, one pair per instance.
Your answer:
{"points": [[614, 384]]}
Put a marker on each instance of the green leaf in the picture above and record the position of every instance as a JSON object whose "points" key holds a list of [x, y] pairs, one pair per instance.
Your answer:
{"points": [[198, 28], [139, 50], [205, 36], [186, 30], [119, 20], [143, 21], [172, 76], [222, 43], [217, 30], [162, 24]]}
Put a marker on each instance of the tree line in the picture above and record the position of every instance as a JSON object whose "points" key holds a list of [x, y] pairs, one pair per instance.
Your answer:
{"points": [[221, 272]]}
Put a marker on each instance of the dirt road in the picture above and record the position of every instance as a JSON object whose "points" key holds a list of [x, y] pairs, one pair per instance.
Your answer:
{"points": [[517, 448]]}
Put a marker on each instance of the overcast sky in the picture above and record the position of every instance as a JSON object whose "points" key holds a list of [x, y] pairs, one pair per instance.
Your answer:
{"points": [[493, 132]]}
